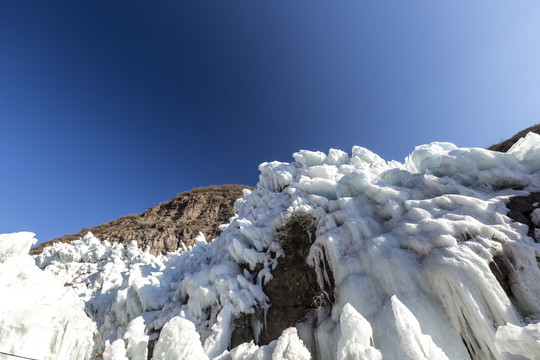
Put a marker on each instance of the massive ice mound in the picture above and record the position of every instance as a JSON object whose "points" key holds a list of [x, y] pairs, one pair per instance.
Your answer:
{"points": [[413, 260]]}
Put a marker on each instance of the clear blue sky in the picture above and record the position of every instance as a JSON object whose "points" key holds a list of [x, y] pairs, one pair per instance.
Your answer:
{"points": [[110, 107]]}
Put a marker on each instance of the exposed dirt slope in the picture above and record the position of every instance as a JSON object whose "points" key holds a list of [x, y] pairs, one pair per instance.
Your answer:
{"points": [[165, 226], [507, 144]]}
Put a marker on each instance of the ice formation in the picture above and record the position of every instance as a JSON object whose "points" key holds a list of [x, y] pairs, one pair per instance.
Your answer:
{"points": [[413, 250]]}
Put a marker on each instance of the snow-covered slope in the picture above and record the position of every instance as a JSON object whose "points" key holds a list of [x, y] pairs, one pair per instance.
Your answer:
{"points": [[423, 262]]}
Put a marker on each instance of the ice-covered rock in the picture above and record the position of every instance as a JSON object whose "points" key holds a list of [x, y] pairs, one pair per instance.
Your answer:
{"points": [[419, 260]]}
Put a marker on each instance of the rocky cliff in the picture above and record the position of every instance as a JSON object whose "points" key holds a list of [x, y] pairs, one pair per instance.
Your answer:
{"points": [[166, 226]]}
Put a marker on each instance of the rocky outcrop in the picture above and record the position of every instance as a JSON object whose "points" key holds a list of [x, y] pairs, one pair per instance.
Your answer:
{"points": [[166, 226], [294, 293], [520, 209]]}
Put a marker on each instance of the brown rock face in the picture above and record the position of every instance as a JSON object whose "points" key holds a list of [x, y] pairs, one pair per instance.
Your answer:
{"points": [[165, 226]]}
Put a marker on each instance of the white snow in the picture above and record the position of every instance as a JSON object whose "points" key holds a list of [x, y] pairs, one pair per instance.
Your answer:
{"points": [[290, 347], [287, 347], [356, 337], [179, 341], [410, 248], [39, 316], [115, 351], [516, 342], [415, 345]]}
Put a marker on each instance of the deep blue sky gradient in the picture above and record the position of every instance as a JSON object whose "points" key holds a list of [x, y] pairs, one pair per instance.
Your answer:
{"points": [[110, 107]]}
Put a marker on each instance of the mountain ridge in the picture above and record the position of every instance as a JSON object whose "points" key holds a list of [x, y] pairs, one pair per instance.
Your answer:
{"points": [[167, 225]]}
